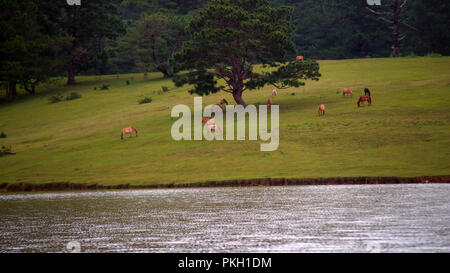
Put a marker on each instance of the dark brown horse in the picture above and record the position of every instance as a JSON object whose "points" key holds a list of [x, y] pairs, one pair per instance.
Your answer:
{"points": [[363, 99]]}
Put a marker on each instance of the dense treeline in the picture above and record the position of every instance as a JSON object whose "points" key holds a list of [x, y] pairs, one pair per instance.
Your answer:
{"points": [[325, 29], [43, 39]]}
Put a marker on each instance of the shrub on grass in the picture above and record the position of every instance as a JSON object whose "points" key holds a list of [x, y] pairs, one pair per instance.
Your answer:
{"points": [[73, 96], [145, 100], [165, 88], [104, 87], [128, 82], [3, 135], [56, 98], [5, 151]]}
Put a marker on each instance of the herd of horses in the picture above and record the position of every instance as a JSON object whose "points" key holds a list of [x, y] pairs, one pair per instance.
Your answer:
{"points": [[346, 92], [223, 102]]}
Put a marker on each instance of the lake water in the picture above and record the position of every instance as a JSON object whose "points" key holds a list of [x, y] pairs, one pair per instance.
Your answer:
{"points": [[365, 218]]}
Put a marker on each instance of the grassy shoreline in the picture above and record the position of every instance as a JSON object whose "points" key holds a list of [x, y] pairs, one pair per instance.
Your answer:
{"points": [[65, 186], [405, 133]]}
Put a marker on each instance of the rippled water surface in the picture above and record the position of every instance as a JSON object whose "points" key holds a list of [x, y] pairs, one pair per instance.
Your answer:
{"points": [[386, 218]]}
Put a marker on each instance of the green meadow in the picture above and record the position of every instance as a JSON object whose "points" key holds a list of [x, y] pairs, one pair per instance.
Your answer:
{"points": [[405, 133]]}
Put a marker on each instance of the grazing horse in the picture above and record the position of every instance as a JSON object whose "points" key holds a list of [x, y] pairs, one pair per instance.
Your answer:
{"points": [[366, 92], [269, 103], [321, 110], [299, 58], [214, 127], [128, 130], [274, 93], [211, 124], [216, 107], [363, 99], [347, 91]]}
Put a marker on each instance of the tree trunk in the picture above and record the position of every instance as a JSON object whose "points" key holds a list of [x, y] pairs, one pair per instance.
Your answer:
{"points": [[32, 90], [237, 95], [164, 70], [70, 74], [11, 91], [395, 30]]}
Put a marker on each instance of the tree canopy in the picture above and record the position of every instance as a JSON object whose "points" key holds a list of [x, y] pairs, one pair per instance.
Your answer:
{"points": [[153, 41], [26, 53], [43, 39], [86, 28], [229, 37]]}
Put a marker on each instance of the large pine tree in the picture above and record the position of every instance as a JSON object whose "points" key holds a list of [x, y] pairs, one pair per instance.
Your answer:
{"points": [[229, 37]]}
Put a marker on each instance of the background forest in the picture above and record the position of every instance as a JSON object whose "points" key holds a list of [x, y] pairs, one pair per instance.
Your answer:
{"points": [[44, 39]]}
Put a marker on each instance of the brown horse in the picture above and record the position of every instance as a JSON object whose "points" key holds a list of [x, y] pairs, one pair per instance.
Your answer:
{"points": [[321, 110], [211, 124], [363, 99], [269, 103], [347, 91], [223, 101], [274, 93], [299, 58], [128, 130]]}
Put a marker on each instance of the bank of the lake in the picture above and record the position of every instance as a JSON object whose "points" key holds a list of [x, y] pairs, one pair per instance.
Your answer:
{"points": [[404, 133], [66, 186]]}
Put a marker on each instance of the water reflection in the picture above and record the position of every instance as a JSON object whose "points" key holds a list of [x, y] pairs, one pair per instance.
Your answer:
{"points": [[388, 218]]}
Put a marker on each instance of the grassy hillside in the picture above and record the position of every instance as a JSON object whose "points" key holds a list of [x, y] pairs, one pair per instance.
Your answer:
{"points": [[406, 132]]}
